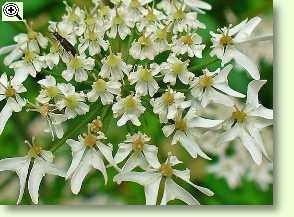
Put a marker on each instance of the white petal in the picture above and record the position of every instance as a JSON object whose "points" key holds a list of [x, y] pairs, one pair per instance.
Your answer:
{"points": [[5, 114], [252, 92], [123, 151], [151, 192], [204, 123], [142, 178], [250, 145]]}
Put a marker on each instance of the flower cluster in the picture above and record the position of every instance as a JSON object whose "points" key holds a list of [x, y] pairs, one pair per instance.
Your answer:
{"points": [[107, 62]]}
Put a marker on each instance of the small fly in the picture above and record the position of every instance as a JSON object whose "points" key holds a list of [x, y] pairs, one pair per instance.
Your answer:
{"points": [[66, 45]]}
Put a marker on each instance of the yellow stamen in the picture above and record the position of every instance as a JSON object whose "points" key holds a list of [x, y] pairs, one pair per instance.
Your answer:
{"points": [[90, 140], [145, 74], [168, 98], [226, 40], [166, 170], [206, 81], [10, 92], [71, 102]]}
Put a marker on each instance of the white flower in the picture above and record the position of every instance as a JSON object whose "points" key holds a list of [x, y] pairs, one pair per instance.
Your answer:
{"points": [[72, 101], [226, 44], [230, 168], [198, 5], [30, 64], [151, 17], [135, 8], [160, 39], [246, 123], [175, 68], [113, 67], [89, 151], [166, 106], [128, 109], [189, 43], [151, 181], [138, 150], [214, 87], [184, 21], [120, 23], [261, 174], [49, 89], [9, 91], [144, 48], [105, 90], [33, 40], [42, 165], [186, 131], [93, 40], [75, 16], [65, 29], [144, 79], [78, 67]]}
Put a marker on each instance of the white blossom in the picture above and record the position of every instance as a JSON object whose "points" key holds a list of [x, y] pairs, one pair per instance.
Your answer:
{"points": [[143, 48], [49, 89]]}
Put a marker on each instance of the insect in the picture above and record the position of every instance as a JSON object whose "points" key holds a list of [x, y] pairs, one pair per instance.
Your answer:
{"points": [[67, 46]]}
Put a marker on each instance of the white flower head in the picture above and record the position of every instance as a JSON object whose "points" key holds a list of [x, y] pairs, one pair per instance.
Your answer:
{"points": [[226, 44], [151, 17], [247, 122], [120, 23], [78, 67], [88, 152], [139, 152], [151, 180], [127, 109], [144, 48], [214, 87], [72, 101], [185, 130], [49, 90], [188, 43], [175, 68], [144, 79], [105, 90], [168, 103], [65, 29], [113, 67], [10, 91], [160, 38], [42, 164], [135, 8]]}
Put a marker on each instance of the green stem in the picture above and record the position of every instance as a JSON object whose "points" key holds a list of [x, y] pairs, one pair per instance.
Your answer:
{"points": [[203, 65], [76, 129]]}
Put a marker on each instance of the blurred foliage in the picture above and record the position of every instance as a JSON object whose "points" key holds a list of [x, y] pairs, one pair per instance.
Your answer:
{"points": [[57, 191]]}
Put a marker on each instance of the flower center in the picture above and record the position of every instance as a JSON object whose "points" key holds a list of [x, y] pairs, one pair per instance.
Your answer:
{"points": [[90, 20], [75, 63], [179, 15], [96, 125], [138, 144], [118, 20], [10, 92], [113, 60], [187, 39], [239, 116], [29, 56], [130, 103], [55, 47], [32, 34], [168, 98], [52, 91], [92, 35], [35, 150], [166, 170], [162, 34], [104, 9], [90, 140], [178, 68], [73, 17], [181, 124], [151, 17], [71, 102], [226, 40], [100, 86], [145, 74], [144, 41], [206, 81], [135, 4]]}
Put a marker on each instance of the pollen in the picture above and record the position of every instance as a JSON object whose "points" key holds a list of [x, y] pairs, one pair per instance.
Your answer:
{"points": [[166, 170], [29, 56], [96, 125], [226, 40], [130, 103], [100, 86], [92, 35], [179, 15], [138, 144], [32, 34], [145, 74], [52, 91], [113, 60], [187, 39], [168, 98], [206, 81], [75, 63], [10, 92], [144, 41], [239, 116], [90, 140], [162, 34], [178, 68], [90, 20], [180, 124], [35, 150], [71, 102]]}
